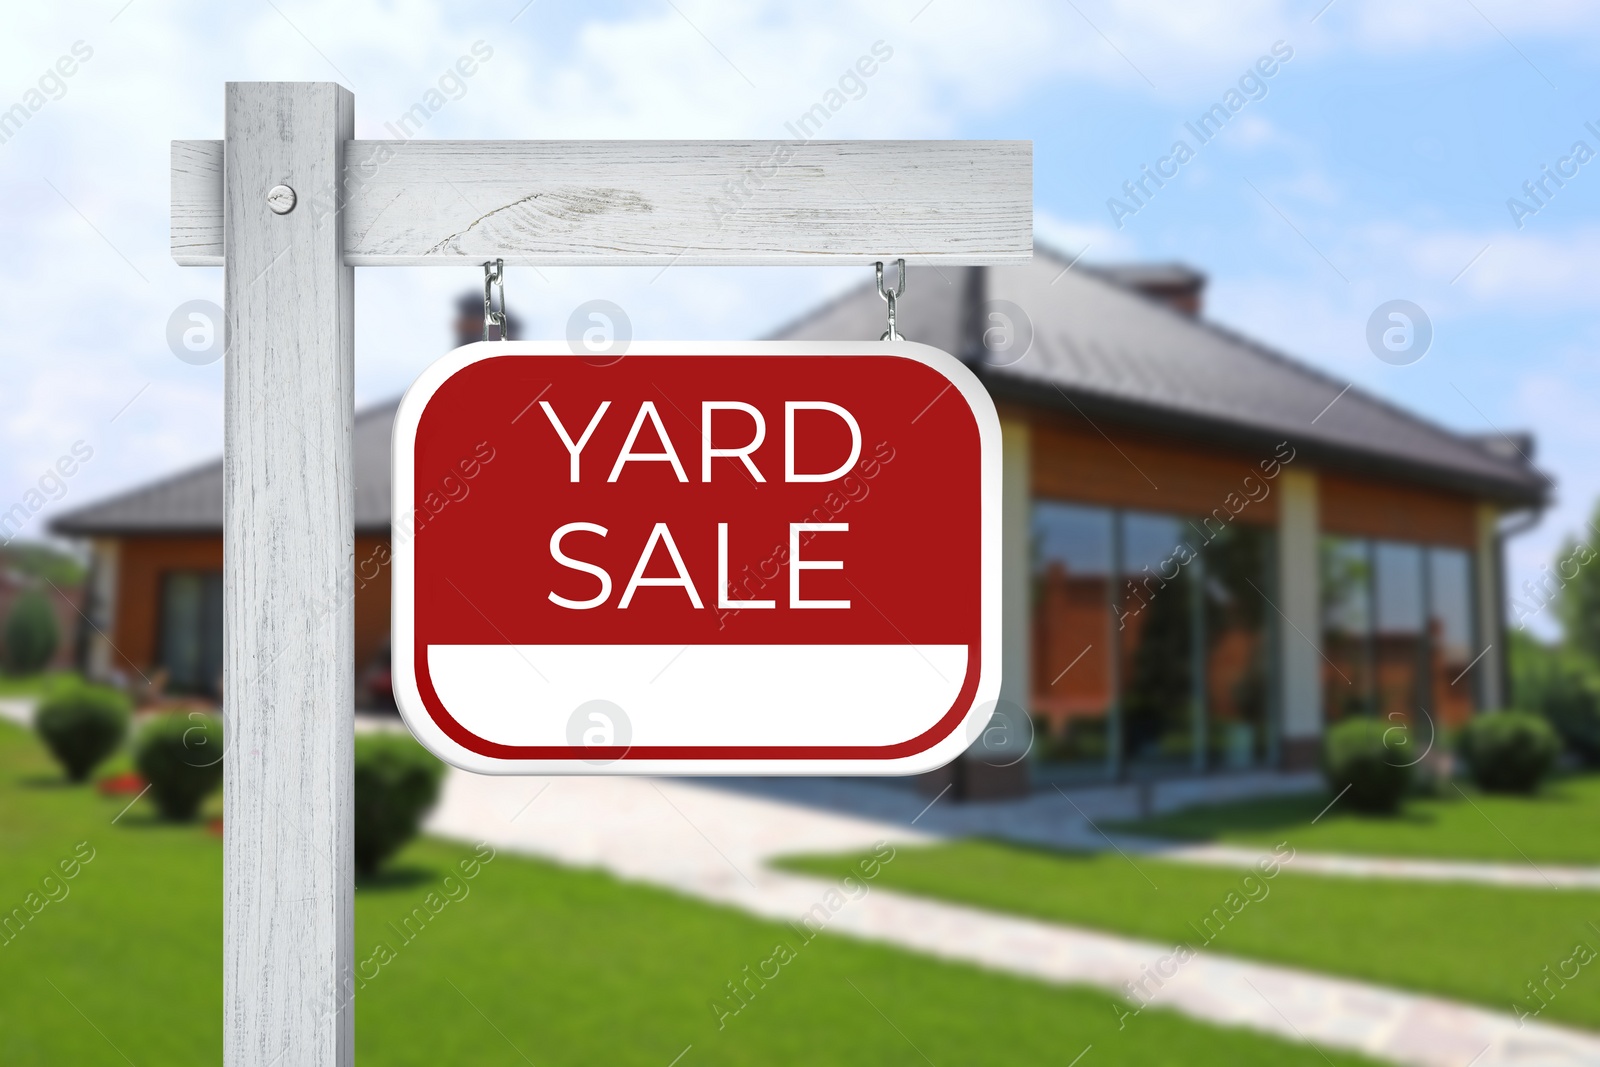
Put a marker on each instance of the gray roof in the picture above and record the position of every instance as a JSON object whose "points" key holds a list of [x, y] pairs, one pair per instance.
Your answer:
{"points": [[1100, 349], [191, 501], [1114, 355]]}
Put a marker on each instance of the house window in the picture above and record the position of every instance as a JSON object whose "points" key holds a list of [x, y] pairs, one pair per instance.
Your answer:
{"points": [[1397, 630], [1238, 628], [1157, 631], [1450, 651], [1151, 640], [1346, 627], [190, 647], [1072, 639]]}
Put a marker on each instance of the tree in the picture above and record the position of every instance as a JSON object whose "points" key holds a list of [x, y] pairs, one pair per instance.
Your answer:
{"points": [[31, 634], [1577, 569], [33, 559]]}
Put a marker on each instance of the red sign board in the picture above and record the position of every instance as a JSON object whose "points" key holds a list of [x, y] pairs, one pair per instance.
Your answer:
{"points": [[703, 558]]}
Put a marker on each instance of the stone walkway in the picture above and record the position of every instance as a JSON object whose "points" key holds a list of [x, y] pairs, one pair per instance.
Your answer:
{"points": [[712, 842], [1075, 818], [1522, 876], [17, 711]]}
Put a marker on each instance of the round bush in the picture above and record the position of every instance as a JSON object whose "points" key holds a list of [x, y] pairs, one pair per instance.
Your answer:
{"points": [[1509, 751], [81, 725], [1571, 705], [1374, 759], [397, 781], [31, 634], [180, 755]]}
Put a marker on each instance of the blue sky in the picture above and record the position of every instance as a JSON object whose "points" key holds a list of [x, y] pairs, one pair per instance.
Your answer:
{"points": [[1376, 166]]}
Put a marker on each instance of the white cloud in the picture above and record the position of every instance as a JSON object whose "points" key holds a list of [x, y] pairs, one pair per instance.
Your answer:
{"points": [[1096, 241], [1473, 271], [1381, 25], [1252, 131]]}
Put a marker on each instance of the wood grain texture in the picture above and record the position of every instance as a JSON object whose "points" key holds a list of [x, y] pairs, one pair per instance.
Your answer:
{"points": [[621, 203], [197, 203], [288, 562]]}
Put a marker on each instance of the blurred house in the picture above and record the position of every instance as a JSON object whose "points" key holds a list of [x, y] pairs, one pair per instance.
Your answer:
{"points": [[1211, 550]]}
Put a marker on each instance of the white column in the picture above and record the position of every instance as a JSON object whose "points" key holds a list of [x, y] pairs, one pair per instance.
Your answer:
{"points": [[107, 558], [1488, 588], [1300, 624], [1016, 518], [288, 545]]}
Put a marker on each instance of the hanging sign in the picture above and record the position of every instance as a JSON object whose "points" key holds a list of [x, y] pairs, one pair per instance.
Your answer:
{"points": [[697, 558]]}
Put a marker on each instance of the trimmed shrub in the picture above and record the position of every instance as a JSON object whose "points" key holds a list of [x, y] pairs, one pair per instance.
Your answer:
{"points": [[31, 634], [1373, 759], [1561, 684], [1572, 708], [81, 725], [1509, 751], [180, 755], [397, 781]]}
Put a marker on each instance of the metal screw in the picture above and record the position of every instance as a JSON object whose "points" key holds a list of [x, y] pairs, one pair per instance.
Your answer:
{"points": [[280, 198]]}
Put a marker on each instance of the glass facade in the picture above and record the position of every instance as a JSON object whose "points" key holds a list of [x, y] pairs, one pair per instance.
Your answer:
{"points": [[1450, 635], [1156, 628], [1153, 638], [1397, 630], [1152, 641], [190, 639], [1346, 622], [1072, 632], [1238, 627]]}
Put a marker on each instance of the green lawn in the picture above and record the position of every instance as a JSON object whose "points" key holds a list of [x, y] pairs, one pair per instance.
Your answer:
{"points": [[26, 685], [1464, 941], [535, 965], [1560, 825]]}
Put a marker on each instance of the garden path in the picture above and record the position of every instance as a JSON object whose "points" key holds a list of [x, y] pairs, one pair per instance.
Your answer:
{"points": [[713, 842]]}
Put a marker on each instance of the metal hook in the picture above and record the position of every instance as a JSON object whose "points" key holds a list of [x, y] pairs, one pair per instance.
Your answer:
{"points": [[494, 274], [890, 296]]}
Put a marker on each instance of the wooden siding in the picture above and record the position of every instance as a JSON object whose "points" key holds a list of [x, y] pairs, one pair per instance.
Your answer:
{"points": [[1364, 507], [372, 602], [135, 636], [1078, 461], [143, 561], [1074, 461]]}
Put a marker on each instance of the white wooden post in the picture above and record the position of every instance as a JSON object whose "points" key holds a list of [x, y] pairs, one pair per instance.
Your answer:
{"points": [[649, 203], [288, 545]]}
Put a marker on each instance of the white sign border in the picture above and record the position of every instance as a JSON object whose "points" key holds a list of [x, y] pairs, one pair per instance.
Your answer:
{"points": [[408, 697]]}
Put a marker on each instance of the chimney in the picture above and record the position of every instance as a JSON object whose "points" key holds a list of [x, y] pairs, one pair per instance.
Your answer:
{"points": [[468, 322], [1177, 286]]}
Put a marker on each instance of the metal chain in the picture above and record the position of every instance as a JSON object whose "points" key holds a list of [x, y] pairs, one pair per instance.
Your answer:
{"points": [[890, 296], [494, 275]]}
